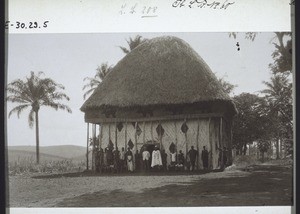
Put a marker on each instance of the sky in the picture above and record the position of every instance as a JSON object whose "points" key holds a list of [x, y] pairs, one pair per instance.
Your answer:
{"points": [[69, 58]]}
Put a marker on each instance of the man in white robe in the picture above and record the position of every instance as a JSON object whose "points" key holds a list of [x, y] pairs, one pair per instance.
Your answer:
{"points": [[146, 159], [156, 158]]}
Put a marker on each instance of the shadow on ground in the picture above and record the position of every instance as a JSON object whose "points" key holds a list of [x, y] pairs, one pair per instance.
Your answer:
{"points": [[265, 185], [93, 174]]}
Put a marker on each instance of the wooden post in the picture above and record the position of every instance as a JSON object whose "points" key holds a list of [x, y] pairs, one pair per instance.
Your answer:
{"points": [[210, 143], [135, 135], [125, 136], [231, 138], [101, 136], [221, 141], [160, 138], [135, 139], [144, 134], [151, 132], [116, 136], [176, 140], [197, 141], [87, 148], [109, 139], [94, 143], [186, 142]]}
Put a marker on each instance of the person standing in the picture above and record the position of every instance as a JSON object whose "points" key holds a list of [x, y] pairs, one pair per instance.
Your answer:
{"points": [[122, 159], [129, 160], [164, 159], [222, 158], [110, 158], [146, 159], [97, 160], [101, 159], [137, 160], [173, 158], [204, 157], [116, 156], [193, 154], [105, 163], [156, 159], [180, 158]]}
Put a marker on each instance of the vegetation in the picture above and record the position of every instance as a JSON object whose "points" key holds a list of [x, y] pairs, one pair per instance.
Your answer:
{"points": [[133, 43], [104, 68], [270, 116], [282, 54], [27, 165], [246, 128], [93, 83], [34, 92], [227, 86]]}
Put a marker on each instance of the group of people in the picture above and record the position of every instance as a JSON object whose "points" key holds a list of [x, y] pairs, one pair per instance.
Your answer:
{"points": [[113, 160], [178, 162]]}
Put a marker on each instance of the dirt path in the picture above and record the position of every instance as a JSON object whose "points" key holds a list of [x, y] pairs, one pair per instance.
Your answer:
{"points": [[263, 185]]}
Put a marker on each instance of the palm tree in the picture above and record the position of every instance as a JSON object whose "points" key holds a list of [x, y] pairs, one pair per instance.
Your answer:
{"points": [[278, 96], [93, 83], [133, 43], [34, 92]]}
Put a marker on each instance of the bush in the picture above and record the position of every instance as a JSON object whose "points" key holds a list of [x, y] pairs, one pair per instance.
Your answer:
{"points": [[28, 166]]}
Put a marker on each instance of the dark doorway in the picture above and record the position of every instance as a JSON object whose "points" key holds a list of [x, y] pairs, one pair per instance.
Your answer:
{"points": [[149, 146]]}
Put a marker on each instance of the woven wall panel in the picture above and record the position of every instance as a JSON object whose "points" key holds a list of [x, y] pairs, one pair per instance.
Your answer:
{"points": [[121, 138], [105, 136], [168, 138], [208, 136]]}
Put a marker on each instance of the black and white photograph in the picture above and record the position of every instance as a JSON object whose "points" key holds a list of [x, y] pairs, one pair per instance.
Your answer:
{"points": [[162, 119]]}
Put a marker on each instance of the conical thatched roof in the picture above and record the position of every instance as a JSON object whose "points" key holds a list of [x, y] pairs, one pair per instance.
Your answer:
{"points": [[161, 71]]}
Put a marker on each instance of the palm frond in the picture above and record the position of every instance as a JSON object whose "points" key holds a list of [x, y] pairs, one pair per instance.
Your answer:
{"points": [[87, 93], [17, 99], [18, 110], [125, 50], [35, 91], [58, 106]]}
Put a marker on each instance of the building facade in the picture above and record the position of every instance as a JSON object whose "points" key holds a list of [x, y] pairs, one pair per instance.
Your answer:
{"points": [[162, 93]]}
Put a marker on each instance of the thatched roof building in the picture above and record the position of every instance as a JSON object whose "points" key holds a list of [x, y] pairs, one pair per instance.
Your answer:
{"points": [[161, 71], [162, 81]]}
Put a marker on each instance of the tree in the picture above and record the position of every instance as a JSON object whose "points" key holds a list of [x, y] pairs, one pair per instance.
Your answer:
{"points": [[247, 125], [278, 105], [133, 43], [227, 86], [263, 146], [282, 54], [93, 83], [34, 92]]}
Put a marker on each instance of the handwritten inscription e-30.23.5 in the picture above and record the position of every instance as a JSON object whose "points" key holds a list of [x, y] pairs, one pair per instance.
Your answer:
{"points": [[202, 4], [26, 25]]}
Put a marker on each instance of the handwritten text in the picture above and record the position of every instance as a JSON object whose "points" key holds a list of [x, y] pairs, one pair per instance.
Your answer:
{"points": [[26, 25], [202, 4], [138, 9]]}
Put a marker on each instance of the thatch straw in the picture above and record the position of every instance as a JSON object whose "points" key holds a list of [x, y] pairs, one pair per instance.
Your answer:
{"points": [[161, 71]]}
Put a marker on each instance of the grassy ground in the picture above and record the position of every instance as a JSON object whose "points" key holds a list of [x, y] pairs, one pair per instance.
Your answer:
{"points": [[267, 184]]}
